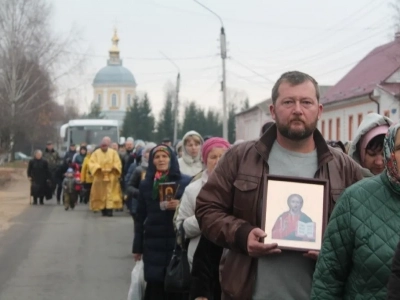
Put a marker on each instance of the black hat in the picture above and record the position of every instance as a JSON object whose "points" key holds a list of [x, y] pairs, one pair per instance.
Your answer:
{"points": [[49, 143], [166, 140], [72, 145]]}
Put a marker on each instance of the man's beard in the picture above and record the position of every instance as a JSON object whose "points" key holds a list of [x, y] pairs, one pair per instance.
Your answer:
{"points": [[299, 134]]}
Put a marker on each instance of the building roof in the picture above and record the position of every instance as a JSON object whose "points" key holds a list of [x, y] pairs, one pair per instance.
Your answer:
{"points": [[263, 105], [114, 75], [371, 71]]}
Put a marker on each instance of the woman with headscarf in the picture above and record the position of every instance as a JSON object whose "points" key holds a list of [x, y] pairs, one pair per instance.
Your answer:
{"points": [[362, 234], [154, 232], [80, 157], [366, 148], [212, 151], [132, 190], [190, 163], [39, 174]]}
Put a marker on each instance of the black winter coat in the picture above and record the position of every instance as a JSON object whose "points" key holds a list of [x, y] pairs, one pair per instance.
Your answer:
{"points": [[132, 189], [205, 271], [394, 279], [154, 231], [38, 170]]}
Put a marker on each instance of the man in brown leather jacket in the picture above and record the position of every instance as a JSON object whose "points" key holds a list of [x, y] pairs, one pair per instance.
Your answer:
{"points": [[229, 207]]}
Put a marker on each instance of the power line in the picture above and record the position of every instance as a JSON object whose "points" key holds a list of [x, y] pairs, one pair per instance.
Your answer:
{"points": [[270, 25], [330, 53], [145, 58], [251, 70], [315, 38], [356, 62], [246, 79]]}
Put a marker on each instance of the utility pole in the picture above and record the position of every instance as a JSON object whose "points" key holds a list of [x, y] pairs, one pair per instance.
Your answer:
{"points": [[176, 106], [223, 83], [224, 104]]}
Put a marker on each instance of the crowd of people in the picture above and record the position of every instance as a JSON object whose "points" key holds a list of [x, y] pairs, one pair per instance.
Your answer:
{"points": [[212, 192]]}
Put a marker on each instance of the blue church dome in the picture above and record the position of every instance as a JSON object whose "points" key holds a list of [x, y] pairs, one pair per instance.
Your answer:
{"points": [[114, 75]]}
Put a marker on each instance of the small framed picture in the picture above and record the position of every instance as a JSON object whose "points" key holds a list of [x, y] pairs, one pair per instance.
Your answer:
{"points": [[167, 191], [295, 212]]}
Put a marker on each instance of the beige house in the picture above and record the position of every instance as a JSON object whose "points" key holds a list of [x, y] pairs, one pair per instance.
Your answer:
{"points": [[373, 85]]}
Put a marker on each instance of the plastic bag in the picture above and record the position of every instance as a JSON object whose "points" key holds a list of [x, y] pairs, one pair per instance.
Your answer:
{"points": [[138, 285]]}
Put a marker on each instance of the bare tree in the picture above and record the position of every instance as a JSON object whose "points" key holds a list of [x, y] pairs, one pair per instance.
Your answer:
{"points": [[31, 57]]}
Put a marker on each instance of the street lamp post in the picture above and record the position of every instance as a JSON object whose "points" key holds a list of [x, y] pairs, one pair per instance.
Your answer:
{"points": [[223, 83]]}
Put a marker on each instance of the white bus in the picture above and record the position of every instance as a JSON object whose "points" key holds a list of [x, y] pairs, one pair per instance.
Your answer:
{"points": [[89, 131]]}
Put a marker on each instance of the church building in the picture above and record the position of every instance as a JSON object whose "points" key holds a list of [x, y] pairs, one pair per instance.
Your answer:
{"points": [[114, 86]]}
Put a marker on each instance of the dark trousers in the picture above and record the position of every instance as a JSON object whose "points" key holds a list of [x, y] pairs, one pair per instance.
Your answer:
{"points": [[86, 194], [35, 200], [59, 190], [155, 291], [107, 212]]}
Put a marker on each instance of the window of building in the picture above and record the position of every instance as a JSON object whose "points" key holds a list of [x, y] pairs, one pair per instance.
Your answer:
{"points": [[338, 129], [386, 113], [323, 128], [128, 100], [360, 118], [114, 100], [99, 99], [350, 128], [330, 129]]}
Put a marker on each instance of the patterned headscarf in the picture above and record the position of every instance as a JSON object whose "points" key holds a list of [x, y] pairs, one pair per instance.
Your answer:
{"points": [[389, 156], [160, 177]]}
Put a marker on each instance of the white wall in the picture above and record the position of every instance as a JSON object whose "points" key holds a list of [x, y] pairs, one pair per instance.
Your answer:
{"points": [[356, 108]]}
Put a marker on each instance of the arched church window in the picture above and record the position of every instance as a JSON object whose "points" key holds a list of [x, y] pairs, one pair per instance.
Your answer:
{"points": [[114, 100], [99, 99], [128, 100]]}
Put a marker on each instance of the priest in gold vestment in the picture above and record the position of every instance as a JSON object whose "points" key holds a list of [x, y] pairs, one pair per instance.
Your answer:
{"points": [[105, 166]]}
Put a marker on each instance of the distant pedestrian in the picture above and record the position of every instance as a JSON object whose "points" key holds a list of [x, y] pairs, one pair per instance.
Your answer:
{"points": [[39, 175], [53, 159], [86, 176], [69, 187]]}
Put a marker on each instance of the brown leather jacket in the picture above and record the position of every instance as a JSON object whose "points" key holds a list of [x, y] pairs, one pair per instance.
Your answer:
{"points": [[229, 205]]}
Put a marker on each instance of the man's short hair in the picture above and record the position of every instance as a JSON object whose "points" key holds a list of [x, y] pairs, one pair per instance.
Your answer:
{"points": [[293, 78]]}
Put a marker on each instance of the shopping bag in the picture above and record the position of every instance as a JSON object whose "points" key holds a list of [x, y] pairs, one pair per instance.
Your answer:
{"points": [[138, 285]]}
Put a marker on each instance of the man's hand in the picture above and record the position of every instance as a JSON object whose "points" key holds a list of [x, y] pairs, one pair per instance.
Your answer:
{"points": [[137, 256], [312, 254], [255, 248], [172, 204]]}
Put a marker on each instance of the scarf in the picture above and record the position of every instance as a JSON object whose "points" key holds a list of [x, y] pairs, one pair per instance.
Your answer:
{"points": [[160, 177], [392, 170]]}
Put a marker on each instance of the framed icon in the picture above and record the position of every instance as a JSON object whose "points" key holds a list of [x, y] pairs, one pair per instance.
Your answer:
{"points": [[167, 191], [295, 212]]}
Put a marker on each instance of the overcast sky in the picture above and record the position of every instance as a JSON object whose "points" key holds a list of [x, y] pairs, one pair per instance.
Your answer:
{"points": [[265, 38]]}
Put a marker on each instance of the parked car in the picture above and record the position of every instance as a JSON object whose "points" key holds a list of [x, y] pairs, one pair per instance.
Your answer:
{"points": [[22, 156]]}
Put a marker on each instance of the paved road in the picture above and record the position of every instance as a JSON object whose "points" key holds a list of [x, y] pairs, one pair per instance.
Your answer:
{"points": [[51, 254]]}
